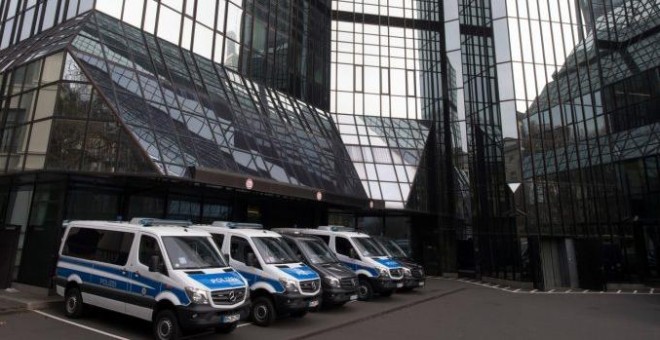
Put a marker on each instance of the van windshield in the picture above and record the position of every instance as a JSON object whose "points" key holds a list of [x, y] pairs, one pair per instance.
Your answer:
{"points": [[317, 252], [194, 252], [368, 247], [392, 248], [274, 250]]}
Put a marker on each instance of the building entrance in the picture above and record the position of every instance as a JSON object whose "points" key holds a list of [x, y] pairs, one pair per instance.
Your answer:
{"points": [[9, 235]]}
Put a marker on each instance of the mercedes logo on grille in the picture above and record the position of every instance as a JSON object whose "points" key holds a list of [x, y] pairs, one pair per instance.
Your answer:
{"points": [[354, 282], [314, 285], [232, 296]]}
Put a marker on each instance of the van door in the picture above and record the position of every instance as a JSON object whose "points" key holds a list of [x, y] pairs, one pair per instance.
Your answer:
{"points": [[145, 285], [346, 253], [239, 248]]}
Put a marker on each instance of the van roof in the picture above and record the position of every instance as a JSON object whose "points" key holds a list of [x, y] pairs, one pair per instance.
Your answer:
{"points": [[128, 227], [244, 232], [311, 231], [300, 236]]}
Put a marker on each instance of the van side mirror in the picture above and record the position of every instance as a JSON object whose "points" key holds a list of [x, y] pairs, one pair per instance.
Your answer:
{"points": [[252, 260], [353, 254], [155, 265]]}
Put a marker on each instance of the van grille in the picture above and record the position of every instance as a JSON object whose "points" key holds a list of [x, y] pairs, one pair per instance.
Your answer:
{"points": [[310, 286], [228, 297], [348, 283], [396, 272]]}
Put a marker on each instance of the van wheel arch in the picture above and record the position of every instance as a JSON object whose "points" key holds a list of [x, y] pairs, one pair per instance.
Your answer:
{"points": [[74, 306], [262, 311], [162, 305], [166, 324], [365, 289]]}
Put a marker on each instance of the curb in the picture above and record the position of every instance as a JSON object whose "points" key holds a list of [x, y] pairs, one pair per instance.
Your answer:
{"points": [[21, 305]]}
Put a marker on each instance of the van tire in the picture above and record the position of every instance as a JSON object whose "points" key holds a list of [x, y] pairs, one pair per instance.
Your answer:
{"points": [[263, 312], [365, 290], [166, 326], [226, 328], [73, 303]]}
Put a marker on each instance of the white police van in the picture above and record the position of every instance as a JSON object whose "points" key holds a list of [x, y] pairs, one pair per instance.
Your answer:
{"points": [[280, 284], [376, 271], [171, 275]]}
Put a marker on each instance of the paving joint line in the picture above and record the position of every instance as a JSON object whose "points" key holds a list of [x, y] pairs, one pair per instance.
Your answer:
{"points": [[373, 316]]}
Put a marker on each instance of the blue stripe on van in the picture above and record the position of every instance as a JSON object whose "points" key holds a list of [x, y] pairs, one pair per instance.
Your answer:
{"points": [[355, 267], [301, 273], [219, 280], [123, 286], [388, 262], [254, 278]]}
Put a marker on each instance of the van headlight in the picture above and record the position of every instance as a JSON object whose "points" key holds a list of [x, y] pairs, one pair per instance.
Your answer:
{"points": [[289, 286], [407, 272], [384, 272], [198, 296], [332, 282]]}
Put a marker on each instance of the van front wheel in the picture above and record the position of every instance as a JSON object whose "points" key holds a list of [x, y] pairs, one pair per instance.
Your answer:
{"points": [[166, 326], [365, 291], [263, 311], [73, 303]]}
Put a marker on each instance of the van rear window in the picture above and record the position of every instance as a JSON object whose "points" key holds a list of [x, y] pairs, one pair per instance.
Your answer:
{"points": [[100, 245]]}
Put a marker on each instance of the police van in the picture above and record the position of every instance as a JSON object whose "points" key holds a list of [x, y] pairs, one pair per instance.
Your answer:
{"points": [[413, 272], [280, 284], [171, 275], [339, 283], [377, 272]]}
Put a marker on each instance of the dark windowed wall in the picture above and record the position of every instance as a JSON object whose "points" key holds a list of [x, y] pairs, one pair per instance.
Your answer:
{"points": [[572, 165], [494, 231], [287, 47]]}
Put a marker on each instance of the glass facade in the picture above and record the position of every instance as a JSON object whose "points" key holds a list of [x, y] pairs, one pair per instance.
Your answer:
{"points": [[386, 153], [100, 93], [514, 139], [179, 107], [558, 100], [283, 44], [387, 94]]}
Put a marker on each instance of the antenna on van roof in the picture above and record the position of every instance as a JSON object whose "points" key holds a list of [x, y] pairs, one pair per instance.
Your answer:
{"points": [[150, 222], [237, 225]]}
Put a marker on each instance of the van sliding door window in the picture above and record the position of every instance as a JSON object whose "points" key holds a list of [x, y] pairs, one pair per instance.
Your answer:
{"points": [[98, 245]]}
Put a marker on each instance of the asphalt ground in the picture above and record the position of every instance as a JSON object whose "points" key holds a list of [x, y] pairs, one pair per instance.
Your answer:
{"points": [[444, 309]]}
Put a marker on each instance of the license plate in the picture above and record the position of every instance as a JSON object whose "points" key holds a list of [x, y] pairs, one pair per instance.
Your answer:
{"points": [[399, 285], [353, 297], [313, 303], [231, 318], [421, 284]]}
